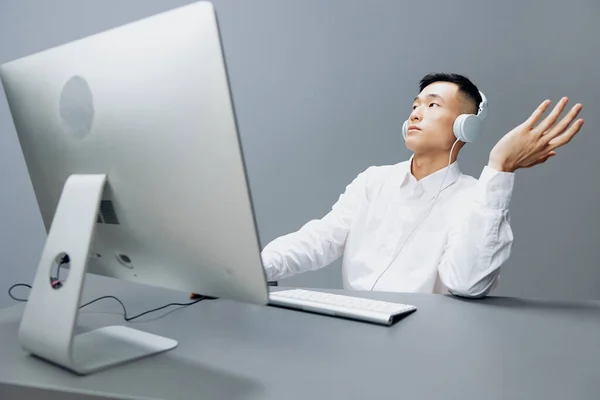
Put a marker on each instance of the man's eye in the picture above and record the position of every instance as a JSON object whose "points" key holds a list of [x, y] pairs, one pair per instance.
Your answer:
{"points": [[413, 107], [434, 104]]}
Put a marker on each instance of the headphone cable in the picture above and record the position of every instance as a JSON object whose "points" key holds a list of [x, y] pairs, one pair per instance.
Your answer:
{"points": [[419, 224]]}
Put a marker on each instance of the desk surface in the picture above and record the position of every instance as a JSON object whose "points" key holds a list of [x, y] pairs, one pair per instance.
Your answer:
{"points": [[495, 348]]}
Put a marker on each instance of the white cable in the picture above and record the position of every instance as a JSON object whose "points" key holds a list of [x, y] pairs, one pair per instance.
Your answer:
{"points": [[419, 224]]}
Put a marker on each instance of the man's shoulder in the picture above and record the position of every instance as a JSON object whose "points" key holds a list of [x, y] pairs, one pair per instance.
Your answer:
{"points": [[385, 170], [467, 180], [378, 175]]}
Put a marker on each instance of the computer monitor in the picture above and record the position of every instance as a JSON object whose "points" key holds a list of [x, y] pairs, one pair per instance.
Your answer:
{"points": [[131, 143]]}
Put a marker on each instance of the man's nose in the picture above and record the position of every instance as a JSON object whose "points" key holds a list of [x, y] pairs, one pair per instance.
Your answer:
{"points": [[415, 115]]}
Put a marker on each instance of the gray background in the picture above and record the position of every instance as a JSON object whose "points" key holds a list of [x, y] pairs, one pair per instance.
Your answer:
{"points": [[322, 88]]}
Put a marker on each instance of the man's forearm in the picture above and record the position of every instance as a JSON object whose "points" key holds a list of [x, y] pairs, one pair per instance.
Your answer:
{"points": [[481, 240], [316, 245]]}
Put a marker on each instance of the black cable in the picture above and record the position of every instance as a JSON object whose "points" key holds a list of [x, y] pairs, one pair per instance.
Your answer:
{"points": [[10, 289], [125, 317]]}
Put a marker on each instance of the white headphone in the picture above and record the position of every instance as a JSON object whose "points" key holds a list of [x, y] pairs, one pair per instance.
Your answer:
{"points": [[467, 127]]}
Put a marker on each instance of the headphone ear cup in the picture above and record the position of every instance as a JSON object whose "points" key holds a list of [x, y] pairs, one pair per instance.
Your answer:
{"points": [[467, 127], [404, 129]]}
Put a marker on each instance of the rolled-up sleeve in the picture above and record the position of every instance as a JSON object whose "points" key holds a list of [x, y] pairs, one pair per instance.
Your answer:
{"points": [[480, 240]]}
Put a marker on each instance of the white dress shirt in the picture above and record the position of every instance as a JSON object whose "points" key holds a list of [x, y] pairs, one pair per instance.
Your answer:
{"points": [[457, 246]]}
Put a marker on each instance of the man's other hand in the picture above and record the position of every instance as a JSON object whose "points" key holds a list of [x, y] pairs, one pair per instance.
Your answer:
{"points": [[529, 144]]}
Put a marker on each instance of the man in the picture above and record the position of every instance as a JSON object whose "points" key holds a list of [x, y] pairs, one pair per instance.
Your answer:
{"points": [[421, 225]]}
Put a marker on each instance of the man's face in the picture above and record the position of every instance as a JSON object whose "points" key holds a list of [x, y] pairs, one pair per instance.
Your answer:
{"points": [[433, 113]]}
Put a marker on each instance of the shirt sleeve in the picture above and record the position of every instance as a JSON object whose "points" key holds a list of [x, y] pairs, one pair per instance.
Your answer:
{"points": [[319, 242], [480, 241]]}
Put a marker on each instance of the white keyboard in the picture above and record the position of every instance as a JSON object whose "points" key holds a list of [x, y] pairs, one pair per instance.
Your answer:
{"points": [[377, 311]]}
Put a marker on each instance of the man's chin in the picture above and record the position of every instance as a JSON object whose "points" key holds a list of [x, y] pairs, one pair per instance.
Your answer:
{"points": [[414, 144]]}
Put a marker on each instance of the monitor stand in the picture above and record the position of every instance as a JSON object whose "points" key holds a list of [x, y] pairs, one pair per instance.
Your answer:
{"points": [[47, 329]]}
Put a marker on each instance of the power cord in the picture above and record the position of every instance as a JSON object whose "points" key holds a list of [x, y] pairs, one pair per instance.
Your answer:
{"points": [[16, 285], [125, 317], [56, 283]]}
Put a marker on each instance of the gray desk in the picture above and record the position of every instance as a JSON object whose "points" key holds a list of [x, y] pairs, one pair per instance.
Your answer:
{"points": [[497, 348]]}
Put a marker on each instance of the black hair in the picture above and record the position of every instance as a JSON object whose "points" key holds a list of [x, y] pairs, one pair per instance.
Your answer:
{"points": [[465, 86]]}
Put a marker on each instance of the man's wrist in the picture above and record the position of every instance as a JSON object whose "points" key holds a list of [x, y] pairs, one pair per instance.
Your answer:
{"points": [[500, 165]]}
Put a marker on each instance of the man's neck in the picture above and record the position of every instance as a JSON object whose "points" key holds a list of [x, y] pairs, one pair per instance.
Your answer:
{"points": [[423, 165]]}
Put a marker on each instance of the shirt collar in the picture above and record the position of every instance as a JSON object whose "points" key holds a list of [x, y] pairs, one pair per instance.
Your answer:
{"points": [[431, 183]]}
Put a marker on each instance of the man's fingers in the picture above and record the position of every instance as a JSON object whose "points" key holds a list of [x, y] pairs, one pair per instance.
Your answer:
{"points": [[564, 123], [537, 114], [566, 137], [552, 117]]}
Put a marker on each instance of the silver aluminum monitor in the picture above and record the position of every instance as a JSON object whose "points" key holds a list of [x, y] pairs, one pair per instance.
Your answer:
{"points": [[131, 143]]}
